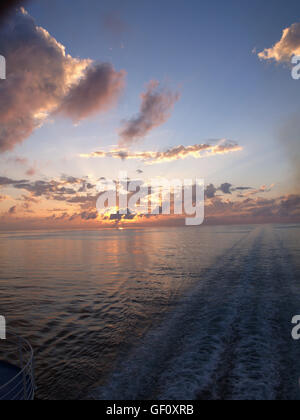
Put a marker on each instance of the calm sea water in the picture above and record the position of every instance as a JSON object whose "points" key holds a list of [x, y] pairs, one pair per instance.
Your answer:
{"points": [[176, 313]]}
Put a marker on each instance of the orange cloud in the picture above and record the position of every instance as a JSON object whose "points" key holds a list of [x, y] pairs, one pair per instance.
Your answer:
{"points": [[196, 151], [286, 48], [78, 196], [285, 209]]}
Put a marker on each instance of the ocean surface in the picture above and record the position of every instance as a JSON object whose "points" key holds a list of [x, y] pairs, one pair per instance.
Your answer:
{"points": [[164, 313]]}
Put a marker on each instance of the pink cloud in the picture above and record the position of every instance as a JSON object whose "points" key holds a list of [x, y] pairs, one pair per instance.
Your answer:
{"points": [[42, 78], [156, 108]]}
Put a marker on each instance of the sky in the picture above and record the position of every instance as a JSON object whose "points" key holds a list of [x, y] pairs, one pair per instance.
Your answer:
{"points": [[174, 89]]}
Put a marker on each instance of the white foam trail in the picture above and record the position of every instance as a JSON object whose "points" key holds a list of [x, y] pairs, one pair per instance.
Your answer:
{"points": [[226, 339]]}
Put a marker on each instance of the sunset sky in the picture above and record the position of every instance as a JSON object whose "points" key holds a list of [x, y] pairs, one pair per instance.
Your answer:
{"points": [[170, 89]]}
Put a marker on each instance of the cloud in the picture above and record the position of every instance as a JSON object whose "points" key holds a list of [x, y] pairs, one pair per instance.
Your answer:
{"points": [[253, 210], [156, 107], [119, 217], [71, 179], [29, 199], [242, 188], [226, 188], [289, 204], [12, 210], [70, 190], [288, 46], [210, 191], [8, 181], [31, 171], [114, 24], [7, 5], [248, 192], [5, 181], [89, 215], [196, 151], [42, 78], [224, 204], [98, 90], [66, 186]]}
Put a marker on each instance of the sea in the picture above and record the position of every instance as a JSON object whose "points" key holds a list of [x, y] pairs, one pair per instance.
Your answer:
{"points": [[199, 313]]}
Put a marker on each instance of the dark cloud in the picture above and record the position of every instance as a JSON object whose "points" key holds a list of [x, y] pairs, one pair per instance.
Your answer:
{"points": [[242, 188], [71, 179], [12, 210], [7, 181], [118, 217], [65, 189], [289, 205], [46, 188], [156, 107], [210, 191], [86, 186], [254, 210], [226, 188], [98, 90], [89, 215], [39, 188], [122, 154], [6, 6]]}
